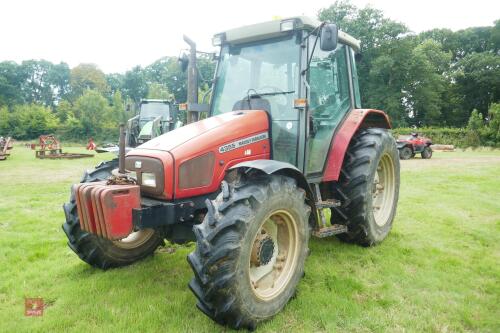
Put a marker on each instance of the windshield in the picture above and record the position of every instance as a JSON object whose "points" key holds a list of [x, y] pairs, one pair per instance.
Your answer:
{"points": [[152, 110], [266, 68]]}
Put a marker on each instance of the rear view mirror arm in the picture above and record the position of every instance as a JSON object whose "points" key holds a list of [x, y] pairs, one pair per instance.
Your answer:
{"points": [[305, 70]]}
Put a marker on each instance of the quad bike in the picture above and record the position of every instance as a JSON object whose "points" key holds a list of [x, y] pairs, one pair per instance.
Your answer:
{"points": [[413, 144], [285, 139]]}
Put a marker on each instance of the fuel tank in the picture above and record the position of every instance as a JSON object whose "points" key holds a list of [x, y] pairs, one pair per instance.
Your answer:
{"points": [[192, 159]]}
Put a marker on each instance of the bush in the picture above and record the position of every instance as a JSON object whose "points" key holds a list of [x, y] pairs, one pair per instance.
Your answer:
{"points": [[27, 121], [479, 131]]}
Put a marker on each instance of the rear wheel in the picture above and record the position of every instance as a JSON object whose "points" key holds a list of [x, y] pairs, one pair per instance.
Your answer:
{"points": [[426, 153], [406, 153], [100, 252], [251, 249], [369, 187]]}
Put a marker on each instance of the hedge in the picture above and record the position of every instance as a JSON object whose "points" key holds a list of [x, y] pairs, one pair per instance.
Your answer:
{"points": [[459, 137]]}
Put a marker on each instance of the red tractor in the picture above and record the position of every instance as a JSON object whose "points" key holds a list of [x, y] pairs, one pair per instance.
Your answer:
{"points": [[410, 145], [285, 140]]}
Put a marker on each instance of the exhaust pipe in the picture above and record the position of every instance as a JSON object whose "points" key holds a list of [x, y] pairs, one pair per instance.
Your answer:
{"points": [[192, 80], [121, 151]]}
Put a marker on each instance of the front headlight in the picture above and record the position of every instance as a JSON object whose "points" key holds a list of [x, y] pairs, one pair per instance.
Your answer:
{"points": [[149, 173], [148, 179]]}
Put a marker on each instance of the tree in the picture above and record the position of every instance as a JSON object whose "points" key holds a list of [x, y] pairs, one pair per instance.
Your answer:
{"points": [[91, 109], [59, 78], [385, 82], [477, 81], [11, 80], [116, 111], [367, 23], [36, 87], [474, 127], [4, 121], [64, 110], [167, 72], [85, 77], [158, 91], [493, 129], [135, 85], [426, 83], [44, 82], [115, 82]]}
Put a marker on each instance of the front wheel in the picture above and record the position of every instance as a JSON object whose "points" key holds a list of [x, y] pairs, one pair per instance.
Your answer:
{"points": [[426, 153], [406, 153], [251, 249]]}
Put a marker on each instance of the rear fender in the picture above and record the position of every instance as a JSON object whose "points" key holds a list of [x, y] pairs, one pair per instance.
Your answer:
{"points": [[356, 120], [272, 167]]}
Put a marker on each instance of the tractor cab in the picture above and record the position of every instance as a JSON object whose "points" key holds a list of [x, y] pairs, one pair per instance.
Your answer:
{"points": [[301, 72]]}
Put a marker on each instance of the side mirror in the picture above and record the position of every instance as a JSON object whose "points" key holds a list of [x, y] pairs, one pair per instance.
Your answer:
{"points": [[183, 62], [329, 37]]}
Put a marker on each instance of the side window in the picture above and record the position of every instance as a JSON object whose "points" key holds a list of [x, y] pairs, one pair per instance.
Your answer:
{"points": [[329, 100], [357, 95]]}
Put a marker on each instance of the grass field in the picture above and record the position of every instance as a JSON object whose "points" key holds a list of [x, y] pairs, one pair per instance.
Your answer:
{"points": [[438, 270]]}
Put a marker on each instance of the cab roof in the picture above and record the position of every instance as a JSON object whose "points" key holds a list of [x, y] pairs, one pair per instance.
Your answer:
{"points": [[270, 29]]}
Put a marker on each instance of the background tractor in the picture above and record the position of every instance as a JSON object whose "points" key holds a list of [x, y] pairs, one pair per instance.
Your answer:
{"points": [[156, 117], [286, 139], [410, 145]]}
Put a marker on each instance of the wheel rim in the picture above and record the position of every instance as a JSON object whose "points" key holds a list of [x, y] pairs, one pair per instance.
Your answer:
{"points": [[135, 239], [406, 153], [383, 190], [274, 255]]}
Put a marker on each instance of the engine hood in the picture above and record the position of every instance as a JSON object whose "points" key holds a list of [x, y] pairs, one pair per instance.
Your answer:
{"points": [[225, 140], [207, 132]]}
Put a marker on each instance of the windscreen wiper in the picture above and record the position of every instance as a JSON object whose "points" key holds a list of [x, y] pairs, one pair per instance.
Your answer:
{"points": [[256, 94]]}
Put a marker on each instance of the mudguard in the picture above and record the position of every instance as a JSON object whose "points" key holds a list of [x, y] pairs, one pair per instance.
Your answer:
{"points": [[280, 168], [401, 145], [357, 119]]}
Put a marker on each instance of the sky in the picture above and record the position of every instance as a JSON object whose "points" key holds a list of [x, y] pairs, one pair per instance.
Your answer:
{"points": [[119, 34]]}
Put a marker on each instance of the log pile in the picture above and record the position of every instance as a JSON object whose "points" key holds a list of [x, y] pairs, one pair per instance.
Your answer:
{"points": [[439, 147]]}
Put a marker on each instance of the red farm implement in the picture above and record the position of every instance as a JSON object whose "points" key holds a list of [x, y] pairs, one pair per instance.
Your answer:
{"points": [[50, 148], [5, 146]]}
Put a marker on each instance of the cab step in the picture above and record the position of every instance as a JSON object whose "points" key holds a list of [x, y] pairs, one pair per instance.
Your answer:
{"points": [[335, 229]]}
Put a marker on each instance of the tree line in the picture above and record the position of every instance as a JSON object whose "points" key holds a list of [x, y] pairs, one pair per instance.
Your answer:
{"points": [[435, 78], [38, 97]]}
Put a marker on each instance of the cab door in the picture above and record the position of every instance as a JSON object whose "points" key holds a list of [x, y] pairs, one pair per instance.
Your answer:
{"points": [[329, 101]]}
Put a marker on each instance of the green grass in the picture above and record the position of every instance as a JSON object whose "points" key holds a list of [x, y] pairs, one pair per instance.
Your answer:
{"points": [[438, 270]]}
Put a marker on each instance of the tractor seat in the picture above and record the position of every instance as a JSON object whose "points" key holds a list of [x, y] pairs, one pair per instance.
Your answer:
{"points": [[253, 103]]}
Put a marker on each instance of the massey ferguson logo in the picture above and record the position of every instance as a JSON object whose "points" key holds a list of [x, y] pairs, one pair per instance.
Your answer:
{"points": [[243, 142]]}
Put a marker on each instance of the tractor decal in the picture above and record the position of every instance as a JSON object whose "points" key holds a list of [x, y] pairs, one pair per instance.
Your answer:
{"points": [[243, 142]]}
